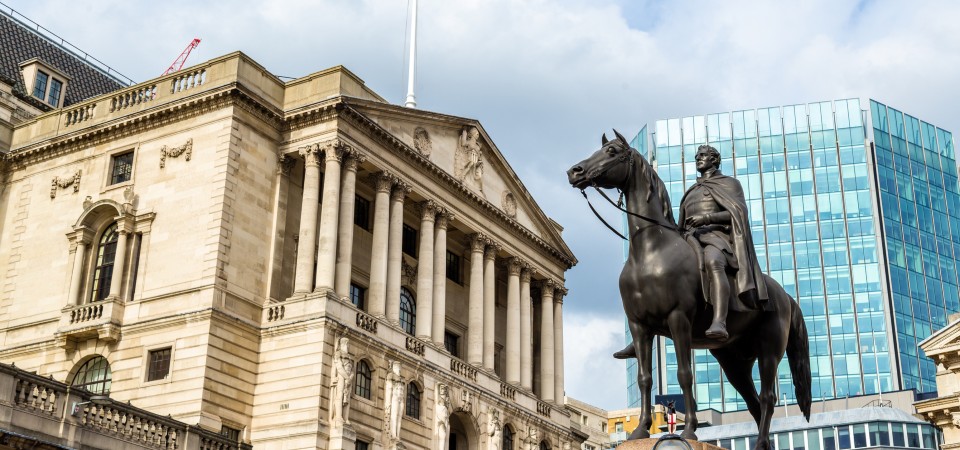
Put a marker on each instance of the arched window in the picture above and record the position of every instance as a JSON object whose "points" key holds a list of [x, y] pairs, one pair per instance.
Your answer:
{"points": [[94, 376], [507, 438], [364, 379], [103, 270], [413, 400], [544, 445], [408, 312]]}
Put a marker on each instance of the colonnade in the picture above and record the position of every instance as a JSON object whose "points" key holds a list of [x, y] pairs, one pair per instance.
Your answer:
{"points": [[331, 234]]}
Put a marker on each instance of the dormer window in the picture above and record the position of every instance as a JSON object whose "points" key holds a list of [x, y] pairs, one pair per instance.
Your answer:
{"points": [[40, 85], [47, 84], [56, 88]]}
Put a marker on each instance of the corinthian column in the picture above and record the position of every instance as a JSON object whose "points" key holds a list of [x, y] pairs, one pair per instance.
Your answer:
{"points": [[348, 199], [116, 278], [395, 251], [306, 245], [547, 354], [329, 210], [558, 345], [383, 182], [478, 243], [83, 236], [489, 304], [526, 324], [440, 277], [513, 321], [428, 211]]}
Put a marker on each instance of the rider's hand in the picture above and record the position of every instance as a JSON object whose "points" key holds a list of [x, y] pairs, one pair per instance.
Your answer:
{"points": [[697, 221]]}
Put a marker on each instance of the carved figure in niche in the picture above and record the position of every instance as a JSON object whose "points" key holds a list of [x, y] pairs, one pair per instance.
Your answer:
{"points": [[509, 204], [342, 380], [466, 402], [532, 439], [421, 141], [468, 160], [442, 416], [494, 429], [395, 390]]}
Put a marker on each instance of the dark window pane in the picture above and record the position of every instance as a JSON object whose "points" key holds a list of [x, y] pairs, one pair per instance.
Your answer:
{"points": [[158, 364], [55, 87], [507, 439], [121, 168], [451, 343], [40, 85], [413, 401], [361, 213], [358, 296], [408, 312], [364, 378], [94, 376], [103, 271], [859, 436], [409, 240], [232, 434], [454, 268], [362, 445]]}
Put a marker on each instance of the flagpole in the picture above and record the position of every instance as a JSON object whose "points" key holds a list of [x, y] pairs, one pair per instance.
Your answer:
{"points": [[411, 99]]}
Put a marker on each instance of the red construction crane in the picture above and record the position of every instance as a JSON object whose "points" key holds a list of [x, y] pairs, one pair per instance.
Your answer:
{"points": [[182, 59]]}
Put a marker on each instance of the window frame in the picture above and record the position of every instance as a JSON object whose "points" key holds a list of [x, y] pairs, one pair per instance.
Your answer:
{"points": [[107, 381], [149, 366], [409, 240], [358, 296], [455, 260], [414, 398], [361, 212], [112, 167], [98, 281], [408, 317], [50, 90], [363, 390], [46, 84], [456, 352]]}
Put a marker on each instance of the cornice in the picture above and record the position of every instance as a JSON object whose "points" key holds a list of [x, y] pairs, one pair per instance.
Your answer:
{"points": [[461, 190]]}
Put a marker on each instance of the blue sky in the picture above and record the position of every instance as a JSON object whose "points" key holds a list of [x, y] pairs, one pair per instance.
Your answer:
{"points": [[546, 78]]}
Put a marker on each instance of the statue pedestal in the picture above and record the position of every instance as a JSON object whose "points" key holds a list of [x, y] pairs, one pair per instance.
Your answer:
{"points": [[342, 438], [647, 444]]}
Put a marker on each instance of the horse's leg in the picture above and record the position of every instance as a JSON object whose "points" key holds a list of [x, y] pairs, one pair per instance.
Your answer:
{"points": [[642, 347], [680, 332], [739, 372], [770, 355]]}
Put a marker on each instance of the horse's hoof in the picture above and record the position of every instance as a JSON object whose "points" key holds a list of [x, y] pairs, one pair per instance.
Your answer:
{"points": [[690, 436]]}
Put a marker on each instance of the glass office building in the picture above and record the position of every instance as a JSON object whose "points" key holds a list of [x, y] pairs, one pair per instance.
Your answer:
{"points": [[855, 210]]}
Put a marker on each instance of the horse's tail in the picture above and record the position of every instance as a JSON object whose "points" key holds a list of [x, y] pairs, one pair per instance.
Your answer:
{"points": [[798, 355]]}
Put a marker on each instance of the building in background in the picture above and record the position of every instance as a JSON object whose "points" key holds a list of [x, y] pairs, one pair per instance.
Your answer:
{"points": [[592, 421], [292, 264], [943, 411]]}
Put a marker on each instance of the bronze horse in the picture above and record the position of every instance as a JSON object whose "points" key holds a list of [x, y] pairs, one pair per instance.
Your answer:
{"points": [[661, 293]]}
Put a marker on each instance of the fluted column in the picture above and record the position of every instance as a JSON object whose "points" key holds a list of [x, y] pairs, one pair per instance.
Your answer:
{"points": [[513, 321], [120, 258], [440, 276], [306, 246], [489, 304], [428, 214], [558, 345], [526, 325], [547, 354], [329, 221], [377, 292], [83, 237], [348, 199], [395, 250], [478, 243]]}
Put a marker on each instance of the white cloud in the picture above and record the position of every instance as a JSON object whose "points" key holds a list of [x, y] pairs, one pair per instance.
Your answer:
{"points": [[591, 374]]}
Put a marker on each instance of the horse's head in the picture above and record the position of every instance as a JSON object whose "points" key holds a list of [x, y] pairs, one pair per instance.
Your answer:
{"points": [[607, 168]]}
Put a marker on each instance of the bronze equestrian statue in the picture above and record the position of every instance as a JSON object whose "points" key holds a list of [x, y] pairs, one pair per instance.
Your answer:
{"points": [[680, 282]]}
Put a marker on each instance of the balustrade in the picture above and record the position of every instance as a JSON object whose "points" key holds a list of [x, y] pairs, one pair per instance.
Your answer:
{"points": [[463, 369], [86, 313], [37, 393], [188, 79], [79, 114], [543, 408], [275, 313], [133, 97], [508, 391], [415, 345], [366, 322]]}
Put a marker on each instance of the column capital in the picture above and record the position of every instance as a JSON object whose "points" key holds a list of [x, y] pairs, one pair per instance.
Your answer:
{"points": [[352, 160], [478, 242], [400, 190], [547, 286], [285, 164], [382, 181], [444, 217], [81, 235], [493, 248], [428, 210], [514, 266], [559, 293], [311, 155], [334, 150]]}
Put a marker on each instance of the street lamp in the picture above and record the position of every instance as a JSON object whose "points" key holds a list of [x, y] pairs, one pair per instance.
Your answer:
{"points": [[98, 400], [671, 441]]}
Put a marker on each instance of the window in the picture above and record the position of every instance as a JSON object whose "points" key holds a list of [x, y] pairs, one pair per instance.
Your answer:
{"points": [[363, 445], [121, 167], [451, 342], [364, 379], [361, 213], [603, 427], [158, 364], [544, 446], [358, 296], [40, 85], [413, 401], [103, 272], [507, 439], [232, 434], [454, 267], [408, 312], [94, 376], [409, 240], [55, 87], [619, 427]]}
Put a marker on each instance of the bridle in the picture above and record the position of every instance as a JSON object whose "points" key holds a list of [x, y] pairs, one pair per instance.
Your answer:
{"points": [[628, 157]]}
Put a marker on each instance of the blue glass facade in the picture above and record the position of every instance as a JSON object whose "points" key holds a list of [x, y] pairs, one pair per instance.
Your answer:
{"points": [[866, 244]]}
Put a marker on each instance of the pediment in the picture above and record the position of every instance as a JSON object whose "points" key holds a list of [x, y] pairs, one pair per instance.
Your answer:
{"points": [[944, 340], [463, 149]]}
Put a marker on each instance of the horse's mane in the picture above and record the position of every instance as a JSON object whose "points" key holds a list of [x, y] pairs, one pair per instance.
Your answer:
{"points": [[656, 186]]}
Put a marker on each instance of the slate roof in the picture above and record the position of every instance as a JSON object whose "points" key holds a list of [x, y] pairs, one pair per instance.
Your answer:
{"points": [[18, 44]]}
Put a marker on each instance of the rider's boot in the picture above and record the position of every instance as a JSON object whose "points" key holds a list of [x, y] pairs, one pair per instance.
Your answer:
{"points": [[720, 294], [627, 352]]}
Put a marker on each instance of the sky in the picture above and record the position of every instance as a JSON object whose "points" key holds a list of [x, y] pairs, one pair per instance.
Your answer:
{"points": [[546, 78]]}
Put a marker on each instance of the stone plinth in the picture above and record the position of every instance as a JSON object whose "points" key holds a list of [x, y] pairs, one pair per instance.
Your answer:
{"points": [[647, 444]]}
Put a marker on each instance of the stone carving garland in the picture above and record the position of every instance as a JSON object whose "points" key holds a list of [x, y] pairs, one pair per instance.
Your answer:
{"points": [[176, 152], [421, 142], [468, 161], [65, 182]]}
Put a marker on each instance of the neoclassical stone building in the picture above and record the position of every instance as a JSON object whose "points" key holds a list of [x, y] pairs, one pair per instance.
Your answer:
{"points": [[292, 264]]}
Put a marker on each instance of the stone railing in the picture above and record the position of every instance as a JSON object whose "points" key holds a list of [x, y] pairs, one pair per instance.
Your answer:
{"points": [[101, 319], [133, 97], [366, 322], [275, 313], [543, 408], [415, 345], [85, 313], [463, 369], [508, 391], [188, 80], [79, 114], [51, 410]]}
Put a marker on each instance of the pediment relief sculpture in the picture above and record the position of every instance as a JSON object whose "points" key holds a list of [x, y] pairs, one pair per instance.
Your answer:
{"points": [[508, 203], [421, 142], [468, 161]]}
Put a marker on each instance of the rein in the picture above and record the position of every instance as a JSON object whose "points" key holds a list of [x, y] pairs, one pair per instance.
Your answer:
{"points": [[619, 207]]}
